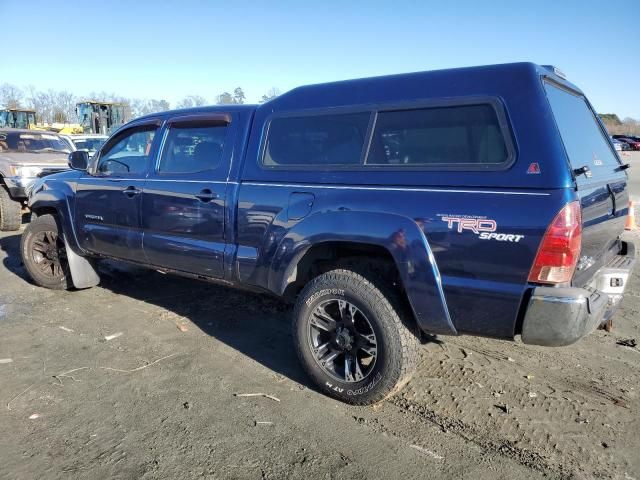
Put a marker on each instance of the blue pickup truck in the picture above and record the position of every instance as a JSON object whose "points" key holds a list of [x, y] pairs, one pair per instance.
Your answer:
{"points": [[481, 201]]}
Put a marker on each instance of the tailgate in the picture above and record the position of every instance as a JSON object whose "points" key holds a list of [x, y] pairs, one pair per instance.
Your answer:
{"points": [[602, 190]]}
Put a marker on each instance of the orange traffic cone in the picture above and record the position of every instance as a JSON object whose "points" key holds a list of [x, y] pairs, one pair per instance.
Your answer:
{"points": [[631, 217]]}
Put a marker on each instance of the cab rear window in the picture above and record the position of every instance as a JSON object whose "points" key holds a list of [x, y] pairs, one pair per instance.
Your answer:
{"points": [[317, 140], [584, 141]]}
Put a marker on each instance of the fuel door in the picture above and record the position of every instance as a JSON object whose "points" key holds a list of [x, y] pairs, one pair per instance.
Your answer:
{"points": [[300, 205]]}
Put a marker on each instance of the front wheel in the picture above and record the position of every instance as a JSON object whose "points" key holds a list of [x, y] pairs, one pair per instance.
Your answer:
{"points": [[44, 255], [351, 340]]}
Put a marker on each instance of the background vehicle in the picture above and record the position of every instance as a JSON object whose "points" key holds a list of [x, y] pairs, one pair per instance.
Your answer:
{"points": [[382, 207], [632, 142], [17, 118], [26, 155], [619, 145], [101, 117], [91, 143]]}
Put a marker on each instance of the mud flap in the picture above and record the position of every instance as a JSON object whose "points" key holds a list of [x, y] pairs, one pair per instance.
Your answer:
{"points": [[83, 273]]}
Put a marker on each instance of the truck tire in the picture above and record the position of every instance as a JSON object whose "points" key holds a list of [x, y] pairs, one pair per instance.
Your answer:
{"points": [[10, 212], [44, 255], [351, 340]]}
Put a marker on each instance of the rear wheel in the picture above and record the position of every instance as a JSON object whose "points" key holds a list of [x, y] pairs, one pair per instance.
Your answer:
{"points": [[10, 212], [44, 254], [351, 339]]}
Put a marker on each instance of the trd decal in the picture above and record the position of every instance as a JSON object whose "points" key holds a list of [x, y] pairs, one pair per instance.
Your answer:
{"points": [[476, 225], [501, 237], [485, 228]]}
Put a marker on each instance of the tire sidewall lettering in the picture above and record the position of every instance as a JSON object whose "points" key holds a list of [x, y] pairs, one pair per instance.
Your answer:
{"points": [[376, 379], [339, 387], [322, 293]]}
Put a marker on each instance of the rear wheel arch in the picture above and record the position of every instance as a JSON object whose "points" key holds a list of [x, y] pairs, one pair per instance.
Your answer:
{"points": [[365, 235], [324, 256], [372, 261]]}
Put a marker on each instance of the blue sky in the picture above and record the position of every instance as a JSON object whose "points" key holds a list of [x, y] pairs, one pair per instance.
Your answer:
{"points": [[154, 49]]}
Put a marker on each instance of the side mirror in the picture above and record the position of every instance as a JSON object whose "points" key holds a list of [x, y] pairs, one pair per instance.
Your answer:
{"points": [[79, 160]]}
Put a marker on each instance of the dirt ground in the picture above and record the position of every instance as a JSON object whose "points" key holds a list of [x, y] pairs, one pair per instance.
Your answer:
{"points": [[138, 378]]}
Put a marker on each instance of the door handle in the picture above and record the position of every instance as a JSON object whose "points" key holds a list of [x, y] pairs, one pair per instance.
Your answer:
{"points": [[206, 195], [131, 191]]}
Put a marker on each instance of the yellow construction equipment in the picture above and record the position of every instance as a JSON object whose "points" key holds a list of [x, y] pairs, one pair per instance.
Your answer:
{"points": [[26, 119], [101, 117], [17, 118]]}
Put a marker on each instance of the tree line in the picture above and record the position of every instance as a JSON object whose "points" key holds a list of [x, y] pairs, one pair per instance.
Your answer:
{"points": [[615, 126], [58, 106]]}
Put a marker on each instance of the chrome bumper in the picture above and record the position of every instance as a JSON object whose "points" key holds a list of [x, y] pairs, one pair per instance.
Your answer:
{"points": [[561, 316]]}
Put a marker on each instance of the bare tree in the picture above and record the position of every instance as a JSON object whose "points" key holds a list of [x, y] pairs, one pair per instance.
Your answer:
{"points": [[45, 106], [272, 93], [141, 107], [65, 103], [192, 101], [225, 99], [158, 105], [238, 96], [10, 96], [34, 101], [615, 126]]}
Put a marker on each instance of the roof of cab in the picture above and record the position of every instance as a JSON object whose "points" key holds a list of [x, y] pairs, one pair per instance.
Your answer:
{"points": [[29, 131], [226, 108]]}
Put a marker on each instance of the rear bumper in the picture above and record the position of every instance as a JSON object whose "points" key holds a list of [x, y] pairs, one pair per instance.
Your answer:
{"points": [[561, 316]]}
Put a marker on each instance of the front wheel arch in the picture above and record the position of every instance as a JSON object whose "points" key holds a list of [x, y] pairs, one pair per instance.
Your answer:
{"points": [[82, 272], [44, 254]]}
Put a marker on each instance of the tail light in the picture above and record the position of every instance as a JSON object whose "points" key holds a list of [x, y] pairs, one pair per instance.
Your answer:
{"points": [[560, 247]]}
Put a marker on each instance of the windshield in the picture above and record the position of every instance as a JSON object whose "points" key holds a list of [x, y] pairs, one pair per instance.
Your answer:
{"points": [[91, 144], [32, 142]]}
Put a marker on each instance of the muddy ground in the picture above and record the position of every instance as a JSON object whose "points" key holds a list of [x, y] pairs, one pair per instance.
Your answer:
{"points": [[158, 399]]}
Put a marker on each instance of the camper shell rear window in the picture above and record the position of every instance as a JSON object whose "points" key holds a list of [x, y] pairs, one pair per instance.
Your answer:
{"points": [[584, 139]]}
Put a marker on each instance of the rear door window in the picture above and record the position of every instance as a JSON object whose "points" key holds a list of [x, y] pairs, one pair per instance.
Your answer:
{"points": [[584, 140], [192, 148]]}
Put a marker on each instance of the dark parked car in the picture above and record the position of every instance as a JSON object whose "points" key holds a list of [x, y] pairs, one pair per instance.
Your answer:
{"points": [[480, 201], [620, 145], [631, 141]]}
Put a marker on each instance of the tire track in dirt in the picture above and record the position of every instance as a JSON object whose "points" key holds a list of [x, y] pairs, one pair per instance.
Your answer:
{"points": [[539, 407]]}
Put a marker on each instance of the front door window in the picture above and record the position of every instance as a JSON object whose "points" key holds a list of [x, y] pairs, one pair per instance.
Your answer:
{"points": [[127, 154]]}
